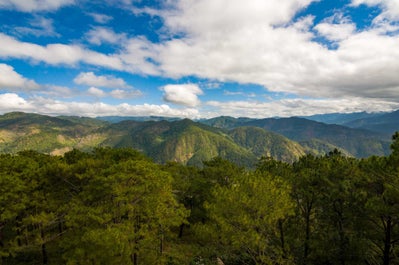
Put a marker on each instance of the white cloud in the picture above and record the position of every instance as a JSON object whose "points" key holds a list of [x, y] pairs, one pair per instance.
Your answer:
{"points": [[135, 57], [116, 93], [336, 28], [100, 18], [58, 91], [125, 94], [186, 94], [238, 93], [55, 54], [146, 10], [297, 107], [96, 92], [11, 80], [13, 102], [141, 56], [283, 108], [39, 26], [34, 5], [197, 17], [90, 79], [100, 35], [335, 32], [259, 43]]}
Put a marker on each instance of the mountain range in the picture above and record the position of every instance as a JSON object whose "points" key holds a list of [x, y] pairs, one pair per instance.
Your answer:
{"points": [[241, 140], [383, 122]]}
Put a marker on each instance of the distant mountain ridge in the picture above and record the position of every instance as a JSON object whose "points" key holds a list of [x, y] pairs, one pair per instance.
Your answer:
{"points": [[341, 118], [316, 137], [116, 119], [386, 123], [242, 140]]}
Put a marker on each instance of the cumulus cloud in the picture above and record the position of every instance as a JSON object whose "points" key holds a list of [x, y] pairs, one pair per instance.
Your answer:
{"points": [[96, 92], [13, 102], [34, 5], [336, 28], [90, 79], [185, 94], [135, 57], [260, 43], [335, 32], [140, 56], [100, 35], [55, 54], [11, 80]]}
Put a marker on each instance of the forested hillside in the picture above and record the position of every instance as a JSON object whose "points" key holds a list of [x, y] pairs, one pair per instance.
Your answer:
{"points": [[241, 140], [317, 137], [54, 135], [116, 206]]}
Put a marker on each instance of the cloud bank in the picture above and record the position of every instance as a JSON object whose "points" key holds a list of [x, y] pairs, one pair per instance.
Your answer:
{"points": [[330, 65], [13, 102]]}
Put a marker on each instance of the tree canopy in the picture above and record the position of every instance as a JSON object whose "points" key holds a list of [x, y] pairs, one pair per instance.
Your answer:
{"points": [[116, 206]]}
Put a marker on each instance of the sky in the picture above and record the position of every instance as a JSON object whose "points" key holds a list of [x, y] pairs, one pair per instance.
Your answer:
{"points": [[199, 58]]}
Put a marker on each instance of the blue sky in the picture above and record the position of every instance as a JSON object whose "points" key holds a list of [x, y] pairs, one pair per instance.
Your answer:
{"points": [[199, 58]]}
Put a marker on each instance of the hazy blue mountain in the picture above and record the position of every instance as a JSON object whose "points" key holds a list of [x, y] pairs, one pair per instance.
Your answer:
{"points": [[387, 123], [341, 118]]}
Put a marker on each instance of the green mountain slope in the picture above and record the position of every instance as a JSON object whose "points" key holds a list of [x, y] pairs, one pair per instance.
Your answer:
{"points": [[357, 142], [226, 122], [183, 141], [241, 140], [20, 131], [263, 143]]}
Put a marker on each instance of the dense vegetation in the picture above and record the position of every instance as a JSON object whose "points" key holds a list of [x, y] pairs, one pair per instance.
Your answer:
{"points": [[115, 206], [240, 140]]}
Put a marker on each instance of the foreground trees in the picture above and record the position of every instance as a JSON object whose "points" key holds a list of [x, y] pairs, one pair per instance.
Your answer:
{"points": [[108, 207], [115, 206]]}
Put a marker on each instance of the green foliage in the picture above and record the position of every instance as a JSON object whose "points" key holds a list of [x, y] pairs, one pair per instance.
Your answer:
{"points": [[108, 207], [382, 205], [116, 206], [264, 143], [248, 210]]}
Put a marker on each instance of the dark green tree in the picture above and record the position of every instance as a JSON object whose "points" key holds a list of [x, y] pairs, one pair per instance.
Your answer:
{"points": [[244, 218], [123, 213]]}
